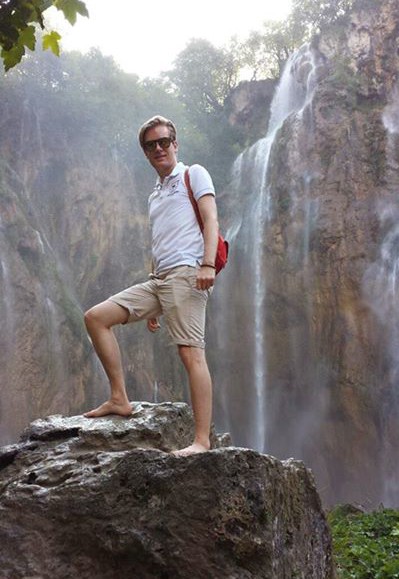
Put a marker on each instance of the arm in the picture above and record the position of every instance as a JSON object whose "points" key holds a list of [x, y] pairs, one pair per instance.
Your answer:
{"points": [[153, 324], [208, 212]]}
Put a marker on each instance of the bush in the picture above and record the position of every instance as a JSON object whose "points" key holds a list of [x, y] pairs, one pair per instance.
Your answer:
{"points": [[365, 545]]}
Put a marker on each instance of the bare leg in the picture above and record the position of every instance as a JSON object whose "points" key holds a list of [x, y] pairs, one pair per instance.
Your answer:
{"points": [[201, 398], [99, 321]]}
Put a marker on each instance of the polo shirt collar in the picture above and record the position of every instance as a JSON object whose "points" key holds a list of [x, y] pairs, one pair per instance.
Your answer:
{"points": [[178, 168]]}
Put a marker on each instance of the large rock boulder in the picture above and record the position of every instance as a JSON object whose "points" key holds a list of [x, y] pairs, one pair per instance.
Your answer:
{"points": [[88, 498]]}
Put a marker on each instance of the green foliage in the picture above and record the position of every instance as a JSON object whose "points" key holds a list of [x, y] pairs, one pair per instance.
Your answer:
{"points": [[89, 103], [88, 98], [51, 41], [266, 51], [366, 545], [19, 21], [311, 16], [203, 76], [202, 79], [71, 8]]}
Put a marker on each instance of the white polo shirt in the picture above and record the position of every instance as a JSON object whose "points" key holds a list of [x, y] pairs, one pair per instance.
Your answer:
{"points": [[176, 236]]}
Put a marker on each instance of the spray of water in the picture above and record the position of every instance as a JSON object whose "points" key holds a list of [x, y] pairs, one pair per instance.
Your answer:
{"points": [[251, 174], [381, 290]]}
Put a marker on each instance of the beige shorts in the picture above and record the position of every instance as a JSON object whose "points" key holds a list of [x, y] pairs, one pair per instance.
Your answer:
{"points": [[174, 296]]}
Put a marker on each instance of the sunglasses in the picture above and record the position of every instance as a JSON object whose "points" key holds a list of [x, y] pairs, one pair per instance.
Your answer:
{"points": [[163, 142]]}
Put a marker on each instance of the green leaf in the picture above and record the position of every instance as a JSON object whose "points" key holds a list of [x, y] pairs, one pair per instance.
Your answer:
{"points": [[12, 57], [71, 8], [366, 544], [51, 41], [9, 35], [27, 37], [395, 531]]}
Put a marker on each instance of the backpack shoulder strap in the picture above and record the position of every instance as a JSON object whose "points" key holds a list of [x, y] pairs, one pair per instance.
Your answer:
{"points": [[192, 199]]}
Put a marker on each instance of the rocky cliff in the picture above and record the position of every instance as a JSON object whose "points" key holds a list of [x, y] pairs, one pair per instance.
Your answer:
{"points": [[321, 328], [73, 230], [248, 108], [63, 219], [102, 497]]}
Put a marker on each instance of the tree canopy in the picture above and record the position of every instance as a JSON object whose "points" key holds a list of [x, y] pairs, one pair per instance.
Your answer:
{"points": [[105, 104], [265, 51], [20, 21], [203, 76], [313, 15]]}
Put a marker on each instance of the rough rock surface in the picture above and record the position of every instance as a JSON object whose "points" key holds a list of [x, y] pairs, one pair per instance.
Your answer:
{"points": [[328, 262], [73, 230], [88, 498], [248, 107]]}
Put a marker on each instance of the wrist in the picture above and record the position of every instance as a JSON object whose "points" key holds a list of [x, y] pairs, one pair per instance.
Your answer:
{"points": [[211, 265]]}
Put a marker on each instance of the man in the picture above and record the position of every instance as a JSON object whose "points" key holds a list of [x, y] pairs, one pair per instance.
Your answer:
{"points": [[179, 286]]}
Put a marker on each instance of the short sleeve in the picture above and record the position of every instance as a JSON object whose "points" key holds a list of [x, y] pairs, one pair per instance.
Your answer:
{"points": [[200, 181]]}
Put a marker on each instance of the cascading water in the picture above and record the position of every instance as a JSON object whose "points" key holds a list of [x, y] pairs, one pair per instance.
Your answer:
{"points": [[7, 339], [7, 301], [251, 176], [303, 365], [381, 291]]}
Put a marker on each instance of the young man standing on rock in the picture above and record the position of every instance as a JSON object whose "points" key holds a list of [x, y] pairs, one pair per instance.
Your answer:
{"points": [[179, 286]]}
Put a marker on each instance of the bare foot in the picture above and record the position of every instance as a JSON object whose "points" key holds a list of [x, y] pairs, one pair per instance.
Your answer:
{"points": [[194, 448], [110, 407]]}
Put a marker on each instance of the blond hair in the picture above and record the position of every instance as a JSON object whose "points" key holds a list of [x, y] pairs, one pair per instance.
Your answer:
{"points": [[154, 122]]}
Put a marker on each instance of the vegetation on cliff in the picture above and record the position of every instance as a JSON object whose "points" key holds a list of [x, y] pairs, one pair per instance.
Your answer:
{"points": [[365, 545], [195, 92]]}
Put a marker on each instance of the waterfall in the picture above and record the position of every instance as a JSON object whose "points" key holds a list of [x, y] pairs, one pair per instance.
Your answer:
{"points": [[251, 187], [381, 292], [56, 351], [8, 301], [8, 336], [8, 304], [156, 392]]}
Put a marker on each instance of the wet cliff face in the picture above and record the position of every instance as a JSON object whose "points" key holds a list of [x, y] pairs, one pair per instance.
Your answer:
{"points": [[248, 108], [73, 230], [326, 374], [61, 212]]}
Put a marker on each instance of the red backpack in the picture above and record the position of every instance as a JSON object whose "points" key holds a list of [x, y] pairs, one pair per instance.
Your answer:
{"points": [[222, 251]]}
